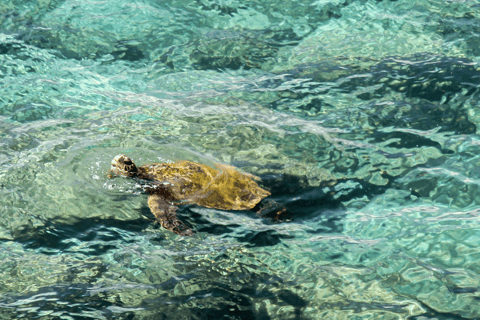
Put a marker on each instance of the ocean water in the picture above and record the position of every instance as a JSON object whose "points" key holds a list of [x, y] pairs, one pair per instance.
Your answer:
{"points": [[361, 117]]}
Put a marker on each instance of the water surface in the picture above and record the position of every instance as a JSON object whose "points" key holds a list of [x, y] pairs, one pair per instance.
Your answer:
{"points": [[361, 117]]}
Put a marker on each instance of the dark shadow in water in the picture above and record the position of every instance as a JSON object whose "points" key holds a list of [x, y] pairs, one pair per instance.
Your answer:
{"points": [[214, 300], [435, 79], [422, 116], [427, 76], [324, 203], [263, 238], [406, 140], [52, 237], [125, 51], [307, 201], [252, 239], [243, 294], [214, 303], [302, 202], [232, 49], [219, 304], [223, 303], [72, 301], [234, 298]]}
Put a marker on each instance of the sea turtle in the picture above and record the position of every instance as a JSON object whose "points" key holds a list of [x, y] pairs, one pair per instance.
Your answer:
{"points": [[181, 182]]}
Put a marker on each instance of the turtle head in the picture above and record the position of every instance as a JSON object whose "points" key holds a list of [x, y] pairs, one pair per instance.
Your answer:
{"points": [[124, 166]]}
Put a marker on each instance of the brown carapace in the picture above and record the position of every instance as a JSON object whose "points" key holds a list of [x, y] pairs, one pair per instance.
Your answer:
{"points": [[168, 184]]}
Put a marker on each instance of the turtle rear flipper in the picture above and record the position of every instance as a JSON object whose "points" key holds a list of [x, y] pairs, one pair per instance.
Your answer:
{"points": [[166, 215], [277, 212]]}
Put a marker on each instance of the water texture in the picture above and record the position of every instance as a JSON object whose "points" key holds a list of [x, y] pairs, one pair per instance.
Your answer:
{"points": [[361, 117]]}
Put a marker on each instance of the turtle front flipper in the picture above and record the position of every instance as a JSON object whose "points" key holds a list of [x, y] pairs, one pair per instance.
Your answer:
{"points": [[166, 215]]}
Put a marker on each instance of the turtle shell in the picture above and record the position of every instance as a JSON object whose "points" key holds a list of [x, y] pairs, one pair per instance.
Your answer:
{"points": [[223, 187]]}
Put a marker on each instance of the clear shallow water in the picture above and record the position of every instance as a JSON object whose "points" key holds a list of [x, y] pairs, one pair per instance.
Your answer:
{"points": [[360, 116]]}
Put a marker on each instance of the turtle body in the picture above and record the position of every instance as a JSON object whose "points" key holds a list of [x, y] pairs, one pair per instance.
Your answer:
{"points": [[169, 184]]}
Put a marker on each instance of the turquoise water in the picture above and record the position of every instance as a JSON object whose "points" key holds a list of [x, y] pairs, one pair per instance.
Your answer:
{"points": [[361, 117]]}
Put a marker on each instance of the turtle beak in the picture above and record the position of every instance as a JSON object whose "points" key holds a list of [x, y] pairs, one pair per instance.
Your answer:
{"points": [[124, 166], [116, 166]]}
